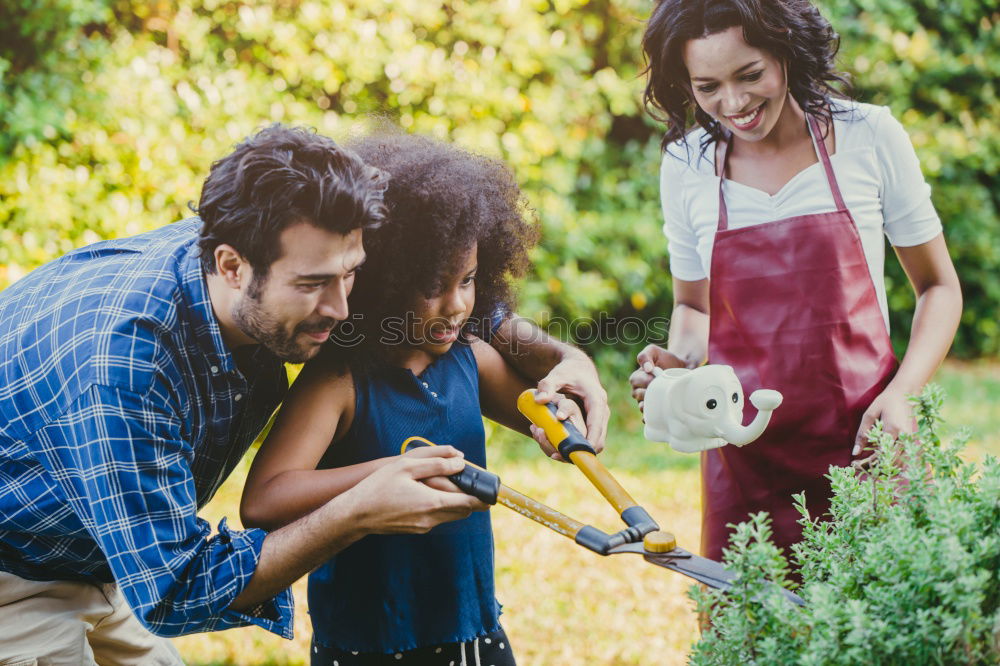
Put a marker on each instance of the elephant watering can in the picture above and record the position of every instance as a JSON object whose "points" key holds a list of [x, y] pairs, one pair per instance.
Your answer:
{"points": [[701, 409]]}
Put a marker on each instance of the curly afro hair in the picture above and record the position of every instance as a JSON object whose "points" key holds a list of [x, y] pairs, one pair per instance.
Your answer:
{"points": [[791, 30], [440, 200]]}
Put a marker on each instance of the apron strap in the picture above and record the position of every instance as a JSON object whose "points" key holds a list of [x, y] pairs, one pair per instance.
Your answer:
{"points": [[824, 156], [720, 169]]}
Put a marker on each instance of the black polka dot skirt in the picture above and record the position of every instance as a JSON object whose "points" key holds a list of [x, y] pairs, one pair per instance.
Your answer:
{"points": [[490, 650]]}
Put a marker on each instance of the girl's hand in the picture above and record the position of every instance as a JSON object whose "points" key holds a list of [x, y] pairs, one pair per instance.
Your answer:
{"points": [[577, 375], [441, 483], [650, 357], [404, 495], [896, 413], [565, 409]]}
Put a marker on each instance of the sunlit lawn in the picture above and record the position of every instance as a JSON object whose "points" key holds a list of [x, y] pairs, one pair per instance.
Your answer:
{"points": [[565, 605]]}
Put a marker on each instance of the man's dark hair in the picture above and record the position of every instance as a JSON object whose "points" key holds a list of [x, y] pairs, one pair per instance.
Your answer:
{"points": [[279, 177], [440, 199], [793, 31]]}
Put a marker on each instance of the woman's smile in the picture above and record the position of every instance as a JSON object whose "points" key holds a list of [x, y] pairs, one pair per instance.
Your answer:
{"points": [[748, 121]]}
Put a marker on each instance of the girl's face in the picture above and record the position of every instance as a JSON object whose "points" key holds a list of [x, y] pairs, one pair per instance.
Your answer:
{"points": [[742, 87], [440, 318]]}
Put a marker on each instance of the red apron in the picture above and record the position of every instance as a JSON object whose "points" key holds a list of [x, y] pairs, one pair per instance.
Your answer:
{"points": [[793, 308]]}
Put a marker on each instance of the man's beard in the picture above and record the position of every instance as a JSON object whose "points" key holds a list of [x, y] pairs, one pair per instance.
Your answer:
{"points": [[258, 324]]}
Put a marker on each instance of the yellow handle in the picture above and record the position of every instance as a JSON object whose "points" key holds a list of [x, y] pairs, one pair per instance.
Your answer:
{"points": [[588, 463], [538, 512], [426, 442], [599, 475], [523, 504], [415, 438], [542, 417]]}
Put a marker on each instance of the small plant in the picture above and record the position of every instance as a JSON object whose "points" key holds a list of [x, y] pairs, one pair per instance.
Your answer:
{"points": [[904, 570]]}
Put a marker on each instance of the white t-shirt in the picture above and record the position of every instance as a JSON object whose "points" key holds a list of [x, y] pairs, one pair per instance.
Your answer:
{"points": [[876, 168]]}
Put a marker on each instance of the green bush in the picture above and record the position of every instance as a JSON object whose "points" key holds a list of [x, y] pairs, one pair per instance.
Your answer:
{"points": [[905, 571], [47, 50], [552, 87]]}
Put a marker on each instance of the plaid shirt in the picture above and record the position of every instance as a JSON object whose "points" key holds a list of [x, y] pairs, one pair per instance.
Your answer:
{"points": [[121, 413]]}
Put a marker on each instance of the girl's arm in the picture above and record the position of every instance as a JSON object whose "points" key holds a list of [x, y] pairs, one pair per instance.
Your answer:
{"points": [[284, 484], [935, 320], [687, 341], [499, 387]]}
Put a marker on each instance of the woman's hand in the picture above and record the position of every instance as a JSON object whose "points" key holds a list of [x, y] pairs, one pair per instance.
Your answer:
{"points": [[565, 409], [895, 412], [650, 357]]}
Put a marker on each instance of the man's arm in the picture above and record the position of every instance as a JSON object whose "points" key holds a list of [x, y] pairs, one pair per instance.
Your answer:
{"points": [[392, 499], [123, 464], [557, 367]]}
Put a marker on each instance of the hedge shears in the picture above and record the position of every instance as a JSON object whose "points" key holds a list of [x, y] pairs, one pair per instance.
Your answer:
{"points": [[641, 536]]}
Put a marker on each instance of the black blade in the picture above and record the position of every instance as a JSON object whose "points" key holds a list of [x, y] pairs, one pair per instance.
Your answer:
{"points": [[701, 569]]}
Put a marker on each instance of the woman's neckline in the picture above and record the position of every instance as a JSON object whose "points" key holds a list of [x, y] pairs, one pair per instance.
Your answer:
{"points": [[780, 192]]}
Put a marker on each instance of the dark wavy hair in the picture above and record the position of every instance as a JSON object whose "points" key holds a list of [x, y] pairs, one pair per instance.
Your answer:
{"points": [[278, 177], [440, 199], [791, 30]]}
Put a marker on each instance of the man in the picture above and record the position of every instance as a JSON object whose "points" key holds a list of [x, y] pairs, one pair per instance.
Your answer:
{"points": [[135, 373]]}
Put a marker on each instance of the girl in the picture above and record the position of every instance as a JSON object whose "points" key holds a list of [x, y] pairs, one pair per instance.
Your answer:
{"points": [[775, 207], [407, 364]]}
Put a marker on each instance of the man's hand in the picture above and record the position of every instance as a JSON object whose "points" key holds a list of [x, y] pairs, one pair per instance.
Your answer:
{"points": [[650, 357], [577, 375], [412, 494], [565, 409]]}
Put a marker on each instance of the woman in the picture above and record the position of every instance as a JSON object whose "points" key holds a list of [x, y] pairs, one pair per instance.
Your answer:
{"points": [[774, 208]]}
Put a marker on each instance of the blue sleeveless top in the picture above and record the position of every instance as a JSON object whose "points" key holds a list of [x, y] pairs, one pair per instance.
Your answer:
{"points": [[390, 593]]}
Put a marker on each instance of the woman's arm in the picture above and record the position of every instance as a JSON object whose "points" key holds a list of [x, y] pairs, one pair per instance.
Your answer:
{"points": [[935, 320], [284, 484], [499, 387], [687, 340]]}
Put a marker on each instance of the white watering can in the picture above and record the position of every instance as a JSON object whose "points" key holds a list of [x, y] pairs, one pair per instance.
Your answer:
{"points": [[701, 409]]}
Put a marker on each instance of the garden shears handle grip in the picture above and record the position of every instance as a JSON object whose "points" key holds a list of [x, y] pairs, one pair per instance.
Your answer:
{"points": [[574, 447], [473, 479], [487, 487], [562, 434]]}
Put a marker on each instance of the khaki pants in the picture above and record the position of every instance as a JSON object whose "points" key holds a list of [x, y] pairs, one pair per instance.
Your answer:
{"points": [[63, 623]]}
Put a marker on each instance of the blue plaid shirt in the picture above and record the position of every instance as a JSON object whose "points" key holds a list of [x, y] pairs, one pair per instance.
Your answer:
{"points": [[121, 413]]}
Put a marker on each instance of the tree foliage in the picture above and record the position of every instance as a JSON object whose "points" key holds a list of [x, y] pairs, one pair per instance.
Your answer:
{"points": [[112, 111], [45, 45], [905, 571], [936, 65]]}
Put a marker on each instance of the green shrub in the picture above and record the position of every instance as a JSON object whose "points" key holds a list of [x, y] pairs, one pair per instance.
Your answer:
{"points": [[905, 571]]}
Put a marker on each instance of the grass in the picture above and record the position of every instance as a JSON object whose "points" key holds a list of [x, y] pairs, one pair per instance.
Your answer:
{"points": [[566, 605]]}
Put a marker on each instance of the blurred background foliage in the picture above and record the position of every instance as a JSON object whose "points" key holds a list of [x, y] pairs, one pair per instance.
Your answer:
{"points": [[111, 112]]}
